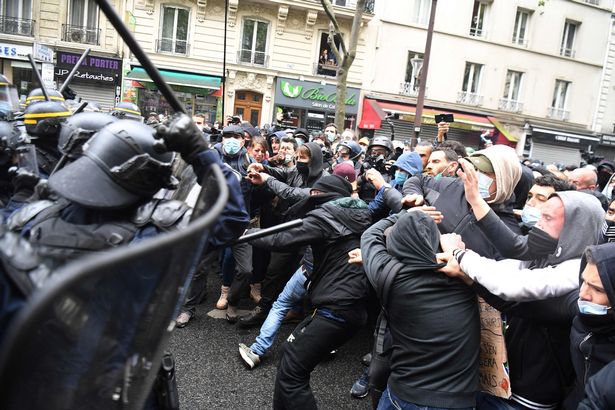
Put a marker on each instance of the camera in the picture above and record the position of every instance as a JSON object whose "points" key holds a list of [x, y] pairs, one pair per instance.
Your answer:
{"points": [[444, 118]]}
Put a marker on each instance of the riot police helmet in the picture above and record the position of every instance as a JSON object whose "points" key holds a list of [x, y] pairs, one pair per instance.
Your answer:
{"points": [[127, 111], [37, 96], [121, 166], [78, 129], [381, 141], [44, 119], [352, 147]]}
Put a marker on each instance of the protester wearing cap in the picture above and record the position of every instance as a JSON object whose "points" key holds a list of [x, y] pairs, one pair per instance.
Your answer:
{"points": [[332, 225]]}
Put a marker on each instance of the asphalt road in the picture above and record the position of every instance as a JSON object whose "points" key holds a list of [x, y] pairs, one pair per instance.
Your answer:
{"points": [[211, 375]]}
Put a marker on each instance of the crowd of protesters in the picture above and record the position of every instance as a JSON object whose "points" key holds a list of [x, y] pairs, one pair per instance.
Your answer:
{"points": [[405, 241]]}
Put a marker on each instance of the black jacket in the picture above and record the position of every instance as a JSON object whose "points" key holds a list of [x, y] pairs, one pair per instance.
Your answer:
{"points": [[433, 319], [332, 230], [448, 196], [599, 391]]}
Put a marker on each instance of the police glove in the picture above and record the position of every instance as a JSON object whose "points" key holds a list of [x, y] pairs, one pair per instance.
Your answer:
{"points": [[23, 179], [181, 134]]}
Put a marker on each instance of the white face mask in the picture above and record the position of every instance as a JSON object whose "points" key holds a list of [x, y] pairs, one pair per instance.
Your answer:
{"points": [[484, 183], [530, 215]]}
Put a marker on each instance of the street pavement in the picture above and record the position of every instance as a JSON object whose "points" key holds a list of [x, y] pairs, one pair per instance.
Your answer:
{"points": [[212, 376]]}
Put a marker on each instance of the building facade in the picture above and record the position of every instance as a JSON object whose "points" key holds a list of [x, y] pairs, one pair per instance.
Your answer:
{"points": [[514, 72]]}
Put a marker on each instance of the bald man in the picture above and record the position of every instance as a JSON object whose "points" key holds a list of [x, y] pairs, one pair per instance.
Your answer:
{"points": [[586, 180]]}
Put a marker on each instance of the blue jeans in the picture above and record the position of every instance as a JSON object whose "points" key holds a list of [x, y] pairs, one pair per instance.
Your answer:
{"points": [[488, 402], [293, 292], [389, 401]]}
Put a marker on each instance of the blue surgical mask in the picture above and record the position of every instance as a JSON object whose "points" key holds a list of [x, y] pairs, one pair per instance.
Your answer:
{"points": [[231, 146], [438, 176], [530, 215], [400, 177], [589, 308], [288, 158], [484, 183], [331, 136]]}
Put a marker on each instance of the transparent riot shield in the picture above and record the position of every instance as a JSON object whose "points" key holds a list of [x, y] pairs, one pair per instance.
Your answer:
{"points": [[93, 338]]}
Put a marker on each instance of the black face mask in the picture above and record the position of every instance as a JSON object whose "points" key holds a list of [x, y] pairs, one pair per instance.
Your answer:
{"points": [[541, 243], [303, 168]]}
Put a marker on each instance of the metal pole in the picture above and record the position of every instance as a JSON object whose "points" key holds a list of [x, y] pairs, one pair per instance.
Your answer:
{"points": [[74, 70], [38, 77], [269, 231], [147, 64], [224, 62], [421, 98]]}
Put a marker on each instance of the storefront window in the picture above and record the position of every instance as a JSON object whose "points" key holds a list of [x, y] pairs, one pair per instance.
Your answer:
{"points": [[153, 101], [289, 117], [23, 80]]}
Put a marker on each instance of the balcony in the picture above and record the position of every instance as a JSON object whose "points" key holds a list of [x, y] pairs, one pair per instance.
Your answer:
{"points": [[81, 34], [467, 98], [167, 45], [250, 57], [594, 2], [328, 69], [16, 26], [408, 89], [566, 52], [478, 32], [558, 114], [519, 41], [510, 105]]}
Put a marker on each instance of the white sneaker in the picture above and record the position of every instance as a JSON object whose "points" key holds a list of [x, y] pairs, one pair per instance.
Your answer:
{"points": [[249, 357]]}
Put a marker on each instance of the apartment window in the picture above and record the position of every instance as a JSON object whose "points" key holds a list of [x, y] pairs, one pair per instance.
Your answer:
{"points": [[420, 14], [560, 95], [15, 17], [520, 30], [471, 78], [82, 24], [174, 30], [570, 32], [479, 17], [327, 63], [512, 87], [254, 42]]}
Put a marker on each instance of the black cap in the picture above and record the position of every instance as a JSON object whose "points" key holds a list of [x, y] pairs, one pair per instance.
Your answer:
{"points": [[232, 130]]}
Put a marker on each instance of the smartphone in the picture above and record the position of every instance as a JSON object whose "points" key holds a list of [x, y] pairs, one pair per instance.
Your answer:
{"points": [[444, 118]]}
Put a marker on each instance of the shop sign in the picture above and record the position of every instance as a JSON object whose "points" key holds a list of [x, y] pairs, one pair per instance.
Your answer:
{"points": [[310, 94], [564, 138], [14, 51], [608, 140], [43, 53], [100, 70], [47, 74]]}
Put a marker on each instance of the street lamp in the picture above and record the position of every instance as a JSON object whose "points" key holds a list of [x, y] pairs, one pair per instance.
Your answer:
{"points": [[417, 65]]}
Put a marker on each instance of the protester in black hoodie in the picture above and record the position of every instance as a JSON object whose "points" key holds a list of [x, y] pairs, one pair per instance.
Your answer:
{"points": [[433, 320], [338, 290], [599, 392]]}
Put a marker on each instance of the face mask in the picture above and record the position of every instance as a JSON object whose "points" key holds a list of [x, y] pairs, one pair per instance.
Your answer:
{"points": [[608, 231], [484, 183], [589, 308], [331, 136], [288, 158], [438, 176], [340, 160], [300, 142], [231, 146], [400, 177], [303, 168], [530, 215], [541, 243]]}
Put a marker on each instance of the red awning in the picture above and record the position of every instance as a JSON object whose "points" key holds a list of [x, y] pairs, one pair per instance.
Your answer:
{"points": [[372, 115], [477, 122]]}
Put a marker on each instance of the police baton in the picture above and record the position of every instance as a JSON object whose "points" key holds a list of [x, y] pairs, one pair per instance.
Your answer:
{"points": [[37, 74], [74, 70], [269, 231]]}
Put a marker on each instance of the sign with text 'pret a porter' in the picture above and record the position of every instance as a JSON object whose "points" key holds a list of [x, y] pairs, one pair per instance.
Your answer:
{"points": [[101, 70], [313, 95]]}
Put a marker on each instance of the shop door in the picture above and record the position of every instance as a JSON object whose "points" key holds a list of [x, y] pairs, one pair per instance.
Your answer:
{"points": [[248, 105]]}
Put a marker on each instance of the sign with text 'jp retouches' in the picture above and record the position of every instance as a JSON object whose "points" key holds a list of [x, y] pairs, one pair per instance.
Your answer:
{"points": [[310, 94], [93, 69]]}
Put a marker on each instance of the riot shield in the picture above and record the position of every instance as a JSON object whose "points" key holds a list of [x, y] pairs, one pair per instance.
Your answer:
{"points": [[93, 338]]}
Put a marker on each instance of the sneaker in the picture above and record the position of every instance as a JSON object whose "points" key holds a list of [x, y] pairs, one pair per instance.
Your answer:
{"points": [[255, 292], [183, 319], [360, 388], [231, 314], [255, 318], [222, 303], [250, 358]]}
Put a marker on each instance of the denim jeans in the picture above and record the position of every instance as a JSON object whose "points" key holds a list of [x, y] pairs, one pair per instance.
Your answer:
{"points": [[389, 401], [488, 402], [293, 293]]}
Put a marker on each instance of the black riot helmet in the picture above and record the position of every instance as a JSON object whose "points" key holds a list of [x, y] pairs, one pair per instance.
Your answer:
{"points": [[78, 129], [127, 111], [352, 147], [44, 119], [382, 142], [37, 96], [120, 167]]}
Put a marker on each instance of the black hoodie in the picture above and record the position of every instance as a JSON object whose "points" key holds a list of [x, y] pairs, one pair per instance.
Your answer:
{"points": [[433, 319]]}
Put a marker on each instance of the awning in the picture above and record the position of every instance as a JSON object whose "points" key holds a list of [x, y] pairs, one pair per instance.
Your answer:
{"points": [[565, 135], [509, 136], [194, 82], [372, 115]]}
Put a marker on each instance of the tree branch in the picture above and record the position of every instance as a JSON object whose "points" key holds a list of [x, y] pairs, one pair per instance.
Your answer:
{"points": [[331, 41], [328, 7]]}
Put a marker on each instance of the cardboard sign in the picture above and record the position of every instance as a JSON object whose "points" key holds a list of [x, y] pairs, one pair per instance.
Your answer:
{"points": [[493, 359]]}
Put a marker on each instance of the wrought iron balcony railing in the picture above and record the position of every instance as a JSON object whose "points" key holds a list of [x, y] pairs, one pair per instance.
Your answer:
{"points": [[81, 34], [468, 98], [327, 69], [558, 114], [250, 57], [510, 105], [168, 45], [566, 52], [16, 26]]}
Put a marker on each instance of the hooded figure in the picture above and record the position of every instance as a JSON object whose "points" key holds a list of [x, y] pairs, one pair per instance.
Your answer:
{"points": [[434, 356], [337, 289], [505, 166], [411, 164]]}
